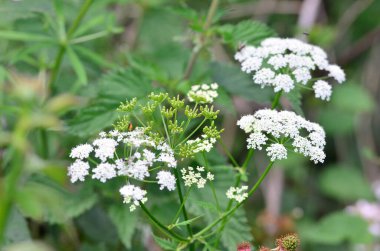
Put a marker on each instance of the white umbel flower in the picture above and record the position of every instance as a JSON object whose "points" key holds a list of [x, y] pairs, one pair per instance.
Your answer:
{"points": [[203, 94], [337, 73], [104, 148], [104, 172], [78, 170], [134, 195], [193, 176], [237, 193], [166, 179], [283, 82], [302, 136], [81, 151], [322, 90], [277, 152], [286, 63]]}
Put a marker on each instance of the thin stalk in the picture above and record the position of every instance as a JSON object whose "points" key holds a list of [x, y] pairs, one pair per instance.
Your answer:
{"points": [[228, 153], [181, 206], [276, 99], [231, 211], [61, 52], [192, 133], [184, 212], [166, 129], [237, 183], [212, 184], [161, 226], [194, 55]]}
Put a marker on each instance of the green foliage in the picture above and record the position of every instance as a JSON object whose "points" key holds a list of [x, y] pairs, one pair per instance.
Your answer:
{"points": [[237, 83], [113, 89], [245, 32], [337, 228], [345, 183], [125, 223]]}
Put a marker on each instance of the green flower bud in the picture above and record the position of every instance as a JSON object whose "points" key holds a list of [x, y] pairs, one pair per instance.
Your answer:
{"points": [[208, 112], [158, 97], [128, 106], [176, 103]]}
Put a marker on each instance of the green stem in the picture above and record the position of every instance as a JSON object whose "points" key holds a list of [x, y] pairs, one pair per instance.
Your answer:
{"points": [[58, 61], [8, 190], [194, 55], [192, 133], [181, 206], [231, 211], [211, 184], [161, 226], [276, 100], [166, 129], [228, 153], [237, 183], [184, 212]]}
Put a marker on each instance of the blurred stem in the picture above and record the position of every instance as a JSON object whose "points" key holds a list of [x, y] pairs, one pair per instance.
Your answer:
{"points": [[44, 150], [237, 183], [195, 130], [180, 208], [58, 61], [184, 212], [211, 184], [276, 100], [197, 49], [231, 211], [161, 226], [8, 190], [228, 153]]}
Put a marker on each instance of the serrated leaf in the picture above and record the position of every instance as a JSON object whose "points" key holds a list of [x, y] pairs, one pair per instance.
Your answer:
{"points": [[125, 222], [93, 57], [166, 244], [231, 78], [337, 228], [248, 31], [295, 99], [114, 88], [345, 184]]}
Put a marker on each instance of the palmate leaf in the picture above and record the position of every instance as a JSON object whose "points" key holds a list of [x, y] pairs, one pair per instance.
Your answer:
{"points": [[248, 32], [201, 202], [114, 88]]}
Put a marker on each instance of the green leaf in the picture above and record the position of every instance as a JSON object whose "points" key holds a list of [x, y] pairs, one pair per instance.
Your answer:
{"points": [[77, 65], [352, 98], [336, 122], [93, 57], [237, 228], [114, 88], [337, 228], [81, 201], [295, 99], [26, 37], [231, 78], [345, 184], [124, 221], [248, 32], [166, 244], [17, 228]]}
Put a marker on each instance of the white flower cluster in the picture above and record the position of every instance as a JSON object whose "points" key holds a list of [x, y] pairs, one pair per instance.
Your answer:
{"points": [[279, 131], [283, 63], [237, 193], [202, 143], [203, 94], [133, 194], [194, 176], [370, 211], [142, 154]]}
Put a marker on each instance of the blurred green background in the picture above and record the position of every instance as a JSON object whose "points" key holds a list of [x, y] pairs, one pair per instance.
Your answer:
{"points": [[67, 64]]}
